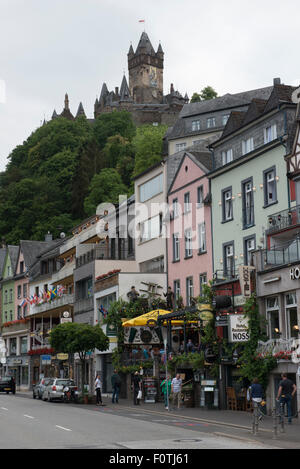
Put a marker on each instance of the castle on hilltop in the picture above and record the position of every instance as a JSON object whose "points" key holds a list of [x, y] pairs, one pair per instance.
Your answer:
{"points": [[143, 96]]}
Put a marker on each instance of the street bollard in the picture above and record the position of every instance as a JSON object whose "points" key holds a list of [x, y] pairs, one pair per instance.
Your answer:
{"points": [[255, 418], [282, 418], [275, 424]]}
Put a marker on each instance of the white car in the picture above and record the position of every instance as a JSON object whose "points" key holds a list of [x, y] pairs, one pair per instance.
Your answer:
{"points": [[57, 387]]}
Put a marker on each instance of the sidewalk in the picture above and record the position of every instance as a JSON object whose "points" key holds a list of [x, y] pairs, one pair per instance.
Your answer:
{"points": [[234, 419]]}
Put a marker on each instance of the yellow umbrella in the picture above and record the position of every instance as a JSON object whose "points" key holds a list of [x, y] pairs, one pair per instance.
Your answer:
{"points": [[144, 318], [152, 315]]}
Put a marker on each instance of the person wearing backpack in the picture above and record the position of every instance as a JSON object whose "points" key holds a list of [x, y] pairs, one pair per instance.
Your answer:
{"points": [[116, 384]]}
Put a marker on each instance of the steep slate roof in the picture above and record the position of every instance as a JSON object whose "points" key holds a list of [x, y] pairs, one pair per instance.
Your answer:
{"points": [[2, 260], [31, 249], [80, 110], [13, 254], [234, 122], [202, 159], [144, 45], [124, 90], [258, 107], [281, 93], [225, 102]]}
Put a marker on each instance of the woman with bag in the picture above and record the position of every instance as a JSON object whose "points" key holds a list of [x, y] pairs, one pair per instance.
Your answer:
{"points": [[137, 388]]}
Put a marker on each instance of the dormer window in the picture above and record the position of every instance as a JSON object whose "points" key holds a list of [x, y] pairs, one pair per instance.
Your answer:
{"points": [[247, 145], [270, 133], [227, 156], [195, 125], [211, 122]]}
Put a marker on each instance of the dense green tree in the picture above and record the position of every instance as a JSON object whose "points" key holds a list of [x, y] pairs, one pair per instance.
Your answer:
{"points": [[148, 145], [78, 338], [196, 98], [206, 93], [113, 123], [105, 187]]}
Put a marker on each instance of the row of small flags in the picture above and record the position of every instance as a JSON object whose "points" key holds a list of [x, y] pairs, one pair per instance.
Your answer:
{"points": [[45, 297]]}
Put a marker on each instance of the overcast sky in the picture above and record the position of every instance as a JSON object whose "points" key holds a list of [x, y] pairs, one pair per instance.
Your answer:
{"points": [[50, 47]]}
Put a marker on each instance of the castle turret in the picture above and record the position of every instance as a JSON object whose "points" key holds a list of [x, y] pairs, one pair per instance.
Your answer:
{"points": [[145, 68], [66, 111]]}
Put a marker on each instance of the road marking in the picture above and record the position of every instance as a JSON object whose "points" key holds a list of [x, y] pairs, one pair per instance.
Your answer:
{"points": [[28, 416], [4, 408], [63, 428]]}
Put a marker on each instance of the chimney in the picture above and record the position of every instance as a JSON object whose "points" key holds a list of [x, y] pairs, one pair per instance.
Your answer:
{"points": [[48, 237], [276, 81]]}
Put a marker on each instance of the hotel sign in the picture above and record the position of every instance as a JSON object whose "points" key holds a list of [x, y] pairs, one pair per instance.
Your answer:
{"points": [[295, 273], [245, 277]]}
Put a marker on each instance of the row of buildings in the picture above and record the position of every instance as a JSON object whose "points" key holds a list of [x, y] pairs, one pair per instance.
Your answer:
{"points": [[225, 198]]}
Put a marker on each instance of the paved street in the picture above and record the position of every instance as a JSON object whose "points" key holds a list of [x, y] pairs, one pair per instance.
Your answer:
{"points": [[27, 423]]}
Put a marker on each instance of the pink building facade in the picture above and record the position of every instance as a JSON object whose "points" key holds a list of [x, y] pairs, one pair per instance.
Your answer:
{"points": [[189, 238]]}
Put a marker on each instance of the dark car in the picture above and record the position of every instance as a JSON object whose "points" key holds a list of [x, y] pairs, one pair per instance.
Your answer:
{"points": [[38, 389], [7, 384]]}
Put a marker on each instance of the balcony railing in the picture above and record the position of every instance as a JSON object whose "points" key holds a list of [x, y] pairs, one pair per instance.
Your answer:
{"points": [[104, 253], [281, 348], [285, 254], [58, 302], [285, 219]]}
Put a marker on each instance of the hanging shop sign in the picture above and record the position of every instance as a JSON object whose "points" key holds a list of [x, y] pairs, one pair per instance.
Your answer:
{"points": [[238, 328], [46, 359], [142, 335], [245, 275], [62, 356]]}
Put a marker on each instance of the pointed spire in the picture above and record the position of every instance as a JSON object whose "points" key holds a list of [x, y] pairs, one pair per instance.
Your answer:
{"points": [[66, 111], [104, 92], [160, 50], [80, 110], [124, 90], [54, 115], [186, 98], [144, 45], [66, 102], [131, 51]]}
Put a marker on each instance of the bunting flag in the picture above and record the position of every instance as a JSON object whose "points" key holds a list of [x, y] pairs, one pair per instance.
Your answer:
{"points": [[103, 311], [23, 303]]}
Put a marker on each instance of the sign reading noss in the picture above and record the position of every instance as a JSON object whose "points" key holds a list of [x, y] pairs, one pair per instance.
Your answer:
{"points": [[238, 328]]}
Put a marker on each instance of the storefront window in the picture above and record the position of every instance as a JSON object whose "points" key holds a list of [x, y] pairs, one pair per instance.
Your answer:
{"points": [[24, 375], [23, 345], [291, 314], [272, 309], [13, 346]]}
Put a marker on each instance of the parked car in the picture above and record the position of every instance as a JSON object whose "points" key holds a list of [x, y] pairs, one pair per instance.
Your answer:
{"points": [[38, 389], [7, 384], [55, 389]]}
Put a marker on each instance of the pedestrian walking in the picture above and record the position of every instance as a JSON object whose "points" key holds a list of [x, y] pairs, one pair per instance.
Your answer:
{"points": [[256, 395], [166, 390], [116, 384], [137, 388], [98, 390], [176, 386], [286, 392], [256, 391]]}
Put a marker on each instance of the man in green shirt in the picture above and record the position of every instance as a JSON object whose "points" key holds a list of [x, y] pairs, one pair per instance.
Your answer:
{"points": [[166, 390]]}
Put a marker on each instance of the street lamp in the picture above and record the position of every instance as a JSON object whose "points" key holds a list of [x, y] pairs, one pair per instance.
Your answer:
{"points": [[166, 363]]}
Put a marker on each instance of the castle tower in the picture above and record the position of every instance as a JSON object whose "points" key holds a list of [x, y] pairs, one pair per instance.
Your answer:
{"points": [[145, 67]]}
